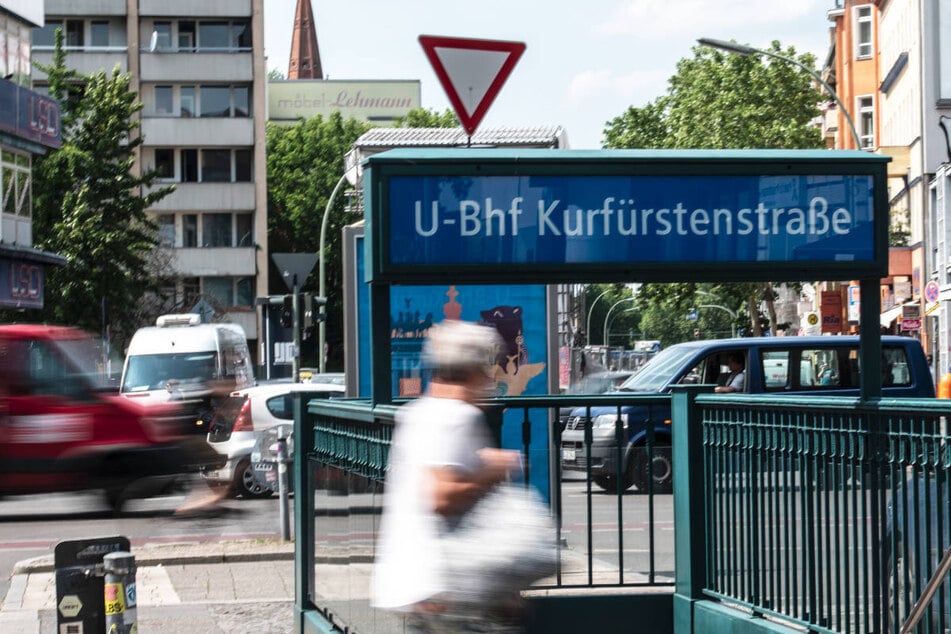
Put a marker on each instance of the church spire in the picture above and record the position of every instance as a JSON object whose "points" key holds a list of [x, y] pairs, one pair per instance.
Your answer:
{"points": [[305, 57]]}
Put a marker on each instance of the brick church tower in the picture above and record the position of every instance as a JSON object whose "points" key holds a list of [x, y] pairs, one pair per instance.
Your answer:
{"points": [[305, 57]]}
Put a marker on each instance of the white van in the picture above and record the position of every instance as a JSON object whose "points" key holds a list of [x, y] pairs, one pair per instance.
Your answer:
{"points": [[182, 359]]}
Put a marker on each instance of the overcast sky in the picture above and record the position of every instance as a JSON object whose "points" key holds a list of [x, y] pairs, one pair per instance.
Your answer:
{"points": [[584, 64]]}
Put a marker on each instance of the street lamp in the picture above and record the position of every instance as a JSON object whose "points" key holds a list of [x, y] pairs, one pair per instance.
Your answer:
{"points": [[322, 326], [742, 49], [607, 335], [604, 334], [587, 324]]}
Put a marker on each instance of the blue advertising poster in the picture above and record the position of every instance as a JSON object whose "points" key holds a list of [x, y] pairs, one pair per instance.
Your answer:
{"points": [[517, 312], [558, 219]]}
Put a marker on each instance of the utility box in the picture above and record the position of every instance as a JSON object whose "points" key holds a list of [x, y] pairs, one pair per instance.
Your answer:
{"points": [[80, 602]]}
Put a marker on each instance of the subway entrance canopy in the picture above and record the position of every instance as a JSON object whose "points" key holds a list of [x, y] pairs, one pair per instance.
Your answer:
{"points": [[493, 216], [549, 216]]}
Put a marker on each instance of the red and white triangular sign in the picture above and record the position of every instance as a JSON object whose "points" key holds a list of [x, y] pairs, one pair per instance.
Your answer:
{"points": [[471, 72]]}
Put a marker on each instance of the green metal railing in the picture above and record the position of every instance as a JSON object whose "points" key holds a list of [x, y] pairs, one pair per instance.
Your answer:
{"points": [[829, 514], [826, 514]]}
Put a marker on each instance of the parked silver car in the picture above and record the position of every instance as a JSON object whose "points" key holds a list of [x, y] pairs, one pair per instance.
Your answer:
{"points": [[244, 416]]}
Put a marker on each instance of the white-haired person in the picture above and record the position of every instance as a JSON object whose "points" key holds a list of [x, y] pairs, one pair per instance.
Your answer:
{"points": [[441, 461]]}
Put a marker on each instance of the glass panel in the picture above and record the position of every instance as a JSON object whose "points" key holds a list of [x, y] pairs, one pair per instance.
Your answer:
{"points": [[775, 369], [244, 292], [220, 288], [191, 290], [242, 101], [244, 229], [9, 191], [189, 166], [216, 230], [99, 33], [188, 101], [213, 35], [165, 163], [163, 100], [162, 36], [46, 35], [186, 35], [166, 230], [241, 34], [190, 230], [24, 202], [74, 32], [216, 166], [242, 166], [215, 101]]}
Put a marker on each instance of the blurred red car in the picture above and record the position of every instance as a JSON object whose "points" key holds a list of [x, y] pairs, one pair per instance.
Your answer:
{"points": [[64, 428]]}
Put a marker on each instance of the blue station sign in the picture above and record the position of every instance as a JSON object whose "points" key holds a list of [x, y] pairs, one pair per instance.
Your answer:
{"points": [[559, 215]]}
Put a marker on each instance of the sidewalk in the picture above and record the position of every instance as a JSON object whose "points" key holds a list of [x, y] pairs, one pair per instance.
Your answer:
{"points": [[239, 586]]}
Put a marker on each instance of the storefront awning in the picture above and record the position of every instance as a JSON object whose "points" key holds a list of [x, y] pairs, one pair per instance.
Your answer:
{"points": [[890, 316]]}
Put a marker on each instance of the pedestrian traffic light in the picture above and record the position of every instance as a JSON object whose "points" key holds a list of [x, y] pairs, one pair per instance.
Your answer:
{"points": [[287, 311]]}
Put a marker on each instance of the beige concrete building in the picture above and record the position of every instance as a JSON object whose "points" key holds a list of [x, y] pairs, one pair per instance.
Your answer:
{"points": [[198, 66]]}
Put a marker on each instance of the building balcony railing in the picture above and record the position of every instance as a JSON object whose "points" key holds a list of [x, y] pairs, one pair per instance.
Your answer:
{"points": [[198, 131], [207, 197], [218, 65]]}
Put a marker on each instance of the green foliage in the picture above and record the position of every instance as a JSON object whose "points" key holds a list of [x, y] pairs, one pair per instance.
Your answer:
{"points": [[304, 165], [424, 118], [718, 100], [88, 206], [615, 304]]}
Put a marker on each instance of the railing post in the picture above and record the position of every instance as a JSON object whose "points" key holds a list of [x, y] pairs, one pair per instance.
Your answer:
{"points": [[690, 554], [303, 511]]}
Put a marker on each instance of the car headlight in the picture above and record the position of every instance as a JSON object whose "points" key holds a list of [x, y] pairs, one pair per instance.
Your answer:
{"points": [[607, 421]]}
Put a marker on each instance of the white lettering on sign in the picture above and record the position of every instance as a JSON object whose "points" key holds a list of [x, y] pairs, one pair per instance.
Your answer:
{"points": [[50, 428], [622, 217]]}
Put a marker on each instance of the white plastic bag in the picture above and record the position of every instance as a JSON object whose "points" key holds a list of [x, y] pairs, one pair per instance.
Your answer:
{"points": [[503, 544]]}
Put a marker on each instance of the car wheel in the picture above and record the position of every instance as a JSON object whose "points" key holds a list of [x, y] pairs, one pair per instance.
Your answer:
{"points": [[661, 469], [245, 484]]}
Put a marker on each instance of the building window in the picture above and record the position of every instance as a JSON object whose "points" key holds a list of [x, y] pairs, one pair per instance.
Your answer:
{"points": [[164, 163], [866, 108], [46, 35], [74, 33], [166, 230], [15, 184], [214, 35], [189, 166], [190, 230], [161, 36], [191, 290], [187, 98], [242, 102], [244, 230], [186, 35], [216, 230], [216, 166], [163, 100], [230, 291], [98, 33], [863, 31], [242, 166], [215, 101]]}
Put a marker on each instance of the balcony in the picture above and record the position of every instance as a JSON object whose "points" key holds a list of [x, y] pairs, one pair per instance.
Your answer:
{"points": [[16, 230], [207, 197], [86, 61], [198, 132], [184, 67], [214, 261], [194, 8], [85, 8]]}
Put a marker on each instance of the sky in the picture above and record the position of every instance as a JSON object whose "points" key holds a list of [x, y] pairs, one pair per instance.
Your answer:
{"points": [[585, 62]]}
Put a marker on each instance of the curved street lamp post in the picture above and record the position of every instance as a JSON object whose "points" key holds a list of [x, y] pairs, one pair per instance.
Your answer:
{"points": [[604, 333], [742, 49]]}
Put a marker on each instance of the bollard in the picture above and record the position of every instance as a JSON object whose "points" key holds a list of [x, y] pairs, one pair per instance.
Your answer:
{"points": [[282, 488], [944, 386], [119, 593]]}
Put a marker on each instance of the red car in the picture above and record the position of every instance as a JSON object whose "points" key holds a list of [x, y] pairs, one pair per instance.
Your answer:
{"points": [[63, 428]]}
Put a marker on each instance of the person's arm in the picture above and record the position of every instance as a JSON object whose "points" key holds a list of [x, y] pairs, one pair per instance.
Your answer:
{"points": [[455, 491]]}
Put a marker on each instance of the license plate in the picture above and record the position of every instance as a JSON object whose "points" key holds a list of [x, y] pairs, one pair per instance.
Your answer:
{"points": [[568, 455]]}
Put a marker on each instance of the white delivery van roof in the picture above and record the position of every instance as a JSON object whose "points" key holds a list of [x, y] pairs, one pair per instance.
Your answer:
{"points": [[180, 333]]}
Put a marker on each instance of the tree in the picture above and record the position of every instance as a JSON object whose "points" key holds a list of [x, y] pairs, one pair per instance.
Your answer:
{"points": [[423, 118], [88, 204], [718, 101], [304, 163]]}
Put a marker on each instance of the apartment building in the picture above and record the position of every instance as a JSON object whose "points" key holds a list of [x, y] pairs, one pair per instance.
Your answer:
{"points": [[29, 126], [198, 66]]}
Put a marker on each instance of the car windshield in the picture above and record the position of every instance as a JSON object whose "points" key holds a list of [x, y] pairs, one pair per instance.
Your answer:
{"points": [[154, 371], [658, 372], [597, 383]]}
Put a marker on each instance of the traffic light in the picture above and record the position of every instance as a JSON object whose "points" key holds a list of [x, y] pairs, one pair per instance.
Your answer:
{"points": [[287, 311], [312, 311]]}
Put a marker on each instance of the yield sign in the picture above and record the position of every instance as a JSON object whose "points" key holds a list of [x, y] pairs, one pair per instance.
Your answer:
{"points": [[471, 72]]}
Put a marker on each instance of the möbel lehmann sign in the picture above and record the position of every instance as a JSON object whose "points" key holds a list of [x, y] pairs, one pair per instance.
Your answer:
{"points": [[558, 215]]}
